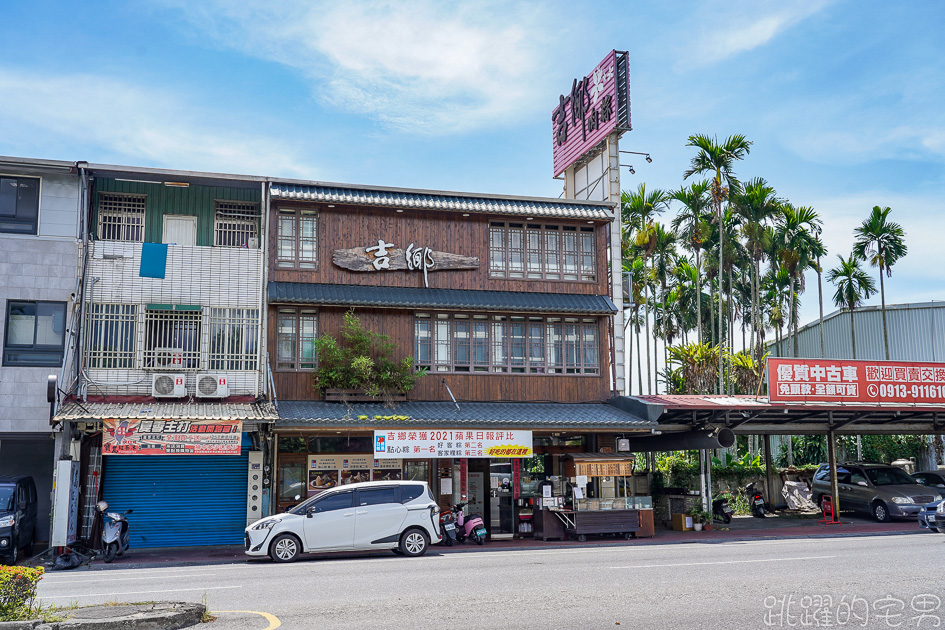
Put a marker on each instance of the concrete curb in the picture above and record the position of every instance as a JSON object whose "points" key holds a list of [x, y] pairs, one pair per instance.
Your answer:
{"points": [[154, 616]]}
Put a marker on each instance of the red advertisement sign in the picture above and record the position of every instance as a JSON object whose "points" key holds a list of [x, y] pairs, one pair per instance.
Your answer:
{"points": [[836, 380], [171, 437]]}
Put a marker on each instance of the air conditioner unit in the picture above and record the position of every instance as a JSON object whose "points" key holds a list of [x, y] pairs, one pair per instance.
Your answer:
{"points": [[168, 385], [212, 386], [168, 358]]}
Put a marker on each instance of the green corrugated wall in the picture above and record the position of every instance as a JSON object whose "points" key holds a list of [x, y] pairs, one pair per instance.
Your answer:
{"points": [[192, 201]]}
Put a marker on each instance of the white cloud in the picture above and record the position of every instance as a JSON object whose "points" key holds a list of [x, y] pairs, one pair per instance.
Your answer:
{"points": [[730, 28], [123, 121], [424, 66]]}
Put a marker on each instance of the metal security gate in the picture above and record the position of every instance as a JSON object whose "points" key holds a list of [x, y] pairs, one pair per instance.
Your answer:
{"points": [[179, 500]]}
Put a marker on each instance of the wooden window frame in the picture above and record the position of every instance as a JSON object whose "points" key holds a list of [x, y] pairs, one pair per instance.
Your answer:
{"points": [[297, 316], [288, 249], [542, 251], [450, 343]]}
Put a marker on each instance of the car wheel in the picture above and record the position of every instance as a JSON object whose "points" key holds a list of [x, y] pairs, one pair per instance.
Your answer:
{"points": [[414, 543], [881, 512], [285, 548]]}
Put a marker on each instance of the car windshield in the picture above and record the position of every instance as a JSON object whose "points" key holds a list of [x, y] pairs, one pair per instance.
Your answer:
{"points": [[889, 477], [6, 498]]}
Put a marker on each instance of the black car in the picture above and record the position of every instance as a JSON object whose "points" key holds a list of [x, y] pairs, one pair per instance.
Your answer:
{"points": [[17, 517]]}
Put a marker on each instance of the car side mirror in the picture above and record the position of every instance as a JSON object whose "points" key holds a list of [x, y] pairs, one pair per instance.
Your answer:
{"points": [[309, 513], [862, 483], [297, 497]]}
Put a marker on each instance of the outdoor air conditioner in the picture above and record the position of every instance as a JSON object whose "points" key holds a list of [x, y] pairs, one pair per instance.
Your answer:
{"points": [[212, 386], [168, 385], [168, 358]]}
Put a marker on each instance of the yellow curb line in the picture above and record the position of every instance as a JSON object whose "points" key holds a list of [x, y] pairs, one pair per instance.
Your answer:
{"points": [[272, 619]]}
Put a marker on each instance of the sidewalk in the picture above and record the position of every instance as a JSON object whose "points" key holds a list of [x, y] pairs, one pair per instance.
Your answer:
{"points": [[741, 529]]}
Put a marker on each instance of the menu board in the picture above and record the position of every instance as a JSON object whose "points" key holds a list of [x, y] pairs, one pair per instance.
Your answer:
{"points": [[328, 471]]}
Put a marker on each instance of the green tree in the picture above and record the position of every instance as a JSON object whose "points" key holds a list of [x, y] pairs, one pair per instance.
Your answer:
{"points": [[853, 286], [718, 160], [692, 226], [882, 243]]}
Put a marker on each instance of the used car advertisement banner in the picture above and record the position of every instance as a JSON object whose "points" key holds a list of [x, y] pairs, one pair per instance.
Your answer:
{"points": [[419, 443], [171, 437], [834, 380]]}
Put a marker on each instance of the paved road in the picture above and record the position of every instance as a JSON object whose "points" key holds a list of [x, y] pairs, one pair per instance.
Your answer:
{"points": [[756, 584]]}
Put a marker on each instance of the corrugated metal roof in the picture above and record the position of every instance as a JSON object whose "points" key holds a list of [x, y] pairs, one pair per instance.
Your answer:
{"points": [[191, 411], [455, 299], [588, 416], [437, 200]]}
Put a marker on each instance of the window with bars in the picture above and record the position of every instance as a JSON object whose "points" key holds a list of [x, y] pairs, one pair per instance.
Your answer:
{"points": [[236, 224], [172, 339], [514, 344], [112, 340], [296, 233], [234, 334], [121, 217], [542, 252], [296, 330]]}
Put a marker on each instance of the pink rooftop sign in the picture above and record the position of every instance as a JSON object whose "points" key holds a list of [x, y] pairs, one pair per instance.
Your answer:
{"points": [[597, 105]]}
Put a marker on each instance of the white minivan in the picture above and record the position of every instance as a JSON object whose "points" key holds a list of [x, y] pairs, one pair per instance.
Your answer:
{"points": [[399, 515]]}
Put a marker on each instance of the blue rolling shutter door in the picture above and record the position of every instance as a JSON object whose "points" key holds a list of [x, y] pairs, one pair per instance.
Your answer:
{"points": [[179, 500]]}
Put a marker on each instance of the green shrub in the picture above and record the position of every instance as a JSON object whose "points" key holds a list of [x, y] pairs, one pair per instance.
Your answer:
{"points": [[18, 592]]}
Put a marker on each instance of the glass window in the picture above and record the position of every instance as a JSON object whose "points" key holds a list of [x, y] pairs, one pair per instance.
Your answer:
{"points": [[121, 217], [410, 492], [334, 501], [172, 339], [379, 496], [6, 497], [296, 330], [236, 224], [112, 339], [19, 204], [542, 252], [233, 338], [416, 470], [292, 444], [296, 239], [35, 333], [291, 480]]}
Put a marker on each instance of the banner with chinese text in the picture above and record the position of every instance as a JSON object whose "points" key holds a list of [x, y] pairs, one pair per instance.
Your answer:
{"points": [[421, 443], [836, 380], [171, 437]]}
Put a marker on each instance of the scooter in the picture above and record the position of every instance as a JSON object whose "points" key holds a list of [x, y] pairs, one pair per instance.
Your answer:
{"points": [[471, 527], [721, 510], [448, 528], [756, 500], [115, 535]]}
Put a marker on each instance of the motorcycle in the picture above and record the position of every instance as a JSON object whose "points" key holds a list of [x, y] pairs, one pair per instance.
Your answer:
{"points": [[115, 535], [448, 528], [756, 500], [471, 527], [721, 510]]}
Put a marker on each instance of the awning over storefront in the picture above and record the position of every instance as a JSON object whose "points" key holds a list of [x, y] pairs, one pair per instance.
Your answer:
{"points": [[247, 412], [404, 198], [533, 416], [758, 415], [502, 301]]}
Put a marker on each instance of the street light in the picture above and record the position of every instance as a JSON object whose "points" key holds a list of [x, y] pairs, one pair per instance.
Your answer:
{"points": [[646, 155]]}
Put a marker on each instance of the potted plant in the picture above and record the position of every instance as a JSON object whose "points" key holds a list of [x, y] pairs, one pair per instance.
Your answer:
{"points": [[696, 520], [707, 521]]}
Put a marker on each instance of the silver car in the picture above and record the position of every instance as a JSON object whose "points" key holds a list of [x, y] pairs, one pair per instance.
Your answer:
{"points": [[878, 489]]}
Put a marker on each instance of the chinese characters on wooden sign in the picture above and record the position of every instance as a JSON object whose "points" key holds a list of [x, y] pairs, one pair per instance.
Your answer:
{"points": [[388, 257]]}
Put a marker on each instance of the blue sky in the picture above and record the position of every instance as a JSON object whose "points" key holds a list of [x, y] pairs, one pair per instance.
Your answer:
{"points": [[842, 99]]}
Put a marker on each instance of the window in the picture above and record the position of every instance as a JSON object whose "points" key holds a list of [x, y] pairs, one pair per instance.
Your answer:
{"points": [[542, 252], [121, 217], [377, 497], [296, 330], [336, 501], [236, 224], [410, 492], [296, 232], [112, 335], [172, 339], [233, 338], [19, 204], [457, 342], [35, 333]]}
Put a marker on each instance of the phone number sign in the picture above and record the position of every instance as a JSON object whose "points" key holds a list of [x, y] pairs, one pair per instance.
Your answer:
{"points": [[171, 437], [424, 443], [832, 380]]}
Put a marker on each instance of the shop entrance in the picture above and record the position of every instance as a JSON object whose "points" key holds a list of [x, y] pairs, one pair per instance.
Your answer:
{"points": [[489, 493]]}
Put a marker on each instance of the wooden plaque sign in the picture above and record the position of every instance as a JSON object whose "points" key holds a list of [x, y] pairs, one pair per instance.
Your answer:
{"points": [[388, 257]]}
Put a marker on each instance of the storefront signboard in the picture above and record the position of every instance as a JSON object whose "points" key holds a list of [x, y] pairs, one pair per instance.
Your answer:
{"points": [[171, 437], [596, 106], [835, 380], [328, 471], [387, 256], [424, 443]]}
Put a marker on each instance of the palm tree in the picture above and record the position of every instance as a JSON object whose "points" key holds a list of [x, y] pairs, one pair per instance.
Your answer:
{"points": [[853, 286], [882, 242], [664, 256], [719, 161], [797, 248], [691, 223]]}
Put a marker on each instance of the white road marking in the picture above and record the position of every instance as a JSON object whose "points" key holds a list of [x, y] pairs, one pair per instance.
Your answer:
{"points": [[173, 590], [695, 564], [121, 579]]}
